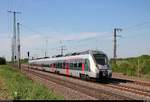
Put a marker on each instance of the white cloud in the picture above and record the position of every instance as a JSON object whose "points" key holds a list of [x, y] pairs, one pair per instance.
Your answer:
{"points": [[36, 43]]}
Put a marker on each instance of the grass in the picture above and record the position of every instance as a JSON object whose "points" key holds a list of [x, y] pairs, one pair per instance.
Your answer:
{"points": [[4, 92], [137, 66], [22, 88]]}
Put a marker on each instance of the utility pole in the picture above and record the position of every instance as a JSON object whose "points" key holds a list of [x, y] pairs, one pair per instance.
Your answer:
{"points": [[46, 48], [18, 46], [138, 67], [115, 43], [28, 53], [14, 47], [62, 48]]}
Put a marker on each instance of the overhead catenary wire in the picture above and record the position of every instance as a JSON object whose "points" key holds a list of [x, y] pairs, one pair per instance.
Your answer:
{"points": [[104, 35], [137, 30], [130, 28], [32, 30], [73, 40], [107, 35]]}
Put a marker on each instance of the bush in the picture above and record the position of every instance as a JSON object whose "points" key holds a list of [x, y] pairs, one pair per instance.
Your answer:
{"points": [[133, 65], [25, 60], [146, 68], [2, 61]]}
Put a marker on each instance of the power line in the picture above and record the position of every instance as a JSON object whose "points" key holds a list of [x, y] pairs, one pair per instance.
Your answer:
{"points": [[136, 26], [32, 30], [36, 32], [62, 46], [137, 30]]}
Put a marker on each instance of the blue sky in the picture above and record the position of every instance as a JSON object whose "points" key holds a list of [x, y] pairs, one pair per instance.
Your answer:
{"points": [[81, 24]]}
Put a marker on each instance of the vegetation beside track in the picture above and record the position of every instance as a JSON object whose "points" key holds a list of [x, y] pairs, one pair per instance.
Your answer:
{"points": [[135, 66], [22, 88], [4, 92], [2, 61]]}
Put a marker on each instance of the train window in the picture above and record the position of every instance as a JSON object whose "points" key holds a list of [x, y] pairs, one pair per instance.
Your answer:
{"points": [[45, 65], [75, 65], [87, 65], [48, 65], [54, 65], [51, 65], [100, 59], [71, 65], [63, 65], [57, 65], [60, 65], [79, 66]]}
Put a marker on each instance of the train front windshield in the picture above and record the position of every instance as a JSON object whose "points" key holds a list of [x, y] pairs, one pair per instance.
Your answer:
{"points": [[101, 59]]}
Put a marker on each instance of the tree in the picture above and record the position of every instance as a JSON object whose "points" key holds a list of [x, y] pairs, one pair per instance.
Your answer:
{"points": [[2, 61]]}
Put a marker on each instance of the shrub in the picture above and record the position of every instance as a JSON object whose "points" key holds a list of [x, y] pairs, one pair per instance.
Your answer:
{"points": [[133, 65], [2, 61]]}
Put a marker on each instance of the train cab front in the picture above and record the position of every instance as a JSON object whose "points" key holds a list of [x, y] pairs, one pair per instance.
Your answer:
{"points": [[104, 72], [102, 65]]}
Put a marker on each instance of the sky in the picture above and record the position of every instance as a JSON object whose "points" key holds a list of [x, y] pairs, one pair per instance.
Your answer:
{"points": [[79, 24]]}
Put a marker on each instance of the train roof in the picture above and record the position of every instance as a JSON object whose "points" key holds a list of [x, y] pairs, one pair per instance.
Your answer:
{"points": [[73, 54]]}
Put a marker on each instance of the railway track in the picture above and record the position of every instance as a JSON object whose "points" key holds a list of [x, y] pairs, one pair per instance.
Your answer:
{"points": [[134, 87], [130, 86], [142, 94], [136, 91], [91, 91], [131, 81]]}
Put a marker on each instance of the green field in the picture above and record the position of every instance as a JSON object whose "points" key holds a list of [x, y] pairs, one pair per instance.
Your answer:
{"points": [[18, 86], [136, 66]]}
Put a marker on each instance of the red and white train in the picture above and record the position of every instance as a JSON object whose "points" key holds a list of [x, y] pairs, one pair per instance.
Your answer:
{"points": [[87, 64]]}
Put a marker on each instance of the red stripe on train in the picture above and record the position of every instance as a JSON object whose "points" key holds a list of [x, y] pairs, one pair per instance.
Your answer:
{"points": [[83, 68], [67, 69]]}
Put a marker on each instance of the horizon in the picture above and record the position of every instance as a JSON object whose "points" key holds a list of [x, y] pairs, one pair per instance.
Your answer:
{"points": [[109, 57]]}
